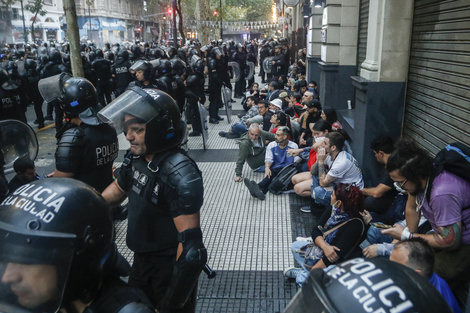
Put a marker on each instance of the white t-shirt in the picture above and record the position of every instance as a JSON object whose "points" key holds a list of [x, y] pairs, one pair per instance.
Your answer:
{"points": [[344, 169]]}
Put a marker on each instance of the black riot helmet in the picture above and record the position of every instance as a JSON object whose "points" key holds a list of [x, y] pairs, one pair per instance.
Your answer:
{"points": [[76, 95], [99, 53], [156, 109], [60, 229], [123, 55], [30, 64], [144, 66], [367, 285], [178, 66], [54, 56], [163, 67]]}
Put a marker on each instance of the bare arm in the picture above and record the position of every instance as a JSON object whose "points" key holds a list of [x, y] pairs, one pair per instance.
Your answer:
{"points": [[376, 192], [184, 222], [58, 173], [113, 194]]}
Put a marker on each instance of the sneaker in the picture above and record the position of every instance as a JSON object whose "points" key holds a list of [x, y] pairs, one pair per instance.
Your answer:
{"points": [[247, 183], [306, 209], [223, 134], [292, 272], [309, 239], [257, 191]]}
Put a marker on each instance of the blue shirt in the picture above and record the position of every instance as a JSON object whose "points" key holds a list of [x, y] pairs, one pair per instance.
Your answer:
{"points": [[441, 286]]}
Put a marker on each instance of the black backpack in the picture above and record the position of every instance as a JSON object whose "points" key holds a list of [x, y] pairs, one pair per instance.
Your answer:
{"points": [[283, 179], [454, 158]]}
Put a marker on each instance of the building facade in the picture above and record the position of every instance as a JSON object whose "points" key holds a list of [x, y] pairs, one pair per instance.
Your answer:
{"points": [[396, 67]]}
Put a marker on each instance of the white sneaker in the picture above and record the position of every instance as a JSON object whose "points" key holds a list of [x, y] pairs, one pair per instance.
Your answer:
{"points": [[309, 239], [292, 272]]}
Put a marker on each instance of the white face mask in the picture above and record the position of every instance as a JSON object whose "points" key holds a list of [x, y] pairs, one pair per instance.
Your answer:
{"points": [[317, 139]]}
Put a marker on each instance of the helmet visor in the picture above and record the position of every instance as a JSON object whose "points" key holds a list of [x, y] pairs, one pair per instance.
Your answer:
{"points": [[34, 269], [51, 88], [134, 102], [138, 66], [194, 59]]}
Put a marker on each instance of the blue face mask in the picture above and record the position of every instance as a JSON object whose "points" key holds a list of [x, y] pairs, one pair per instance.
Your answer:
{"points": [[310, 89]]}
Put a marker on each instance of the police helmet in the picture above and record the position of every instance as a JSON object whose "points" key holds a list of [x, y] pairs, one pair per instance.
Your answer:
{"points": [[367, 285], [54, 56], [30, 64], [60, 229], [91, 56], [123, 55], [76, 95], [178, 66], [156, 109], [144, 66], [164, 67], [99, 53]]}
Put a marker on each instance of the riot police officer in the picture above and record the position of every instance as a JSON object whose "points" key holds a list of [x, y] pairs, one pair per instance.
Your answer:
{"points": [[57, 252], [195, 85], [215, 84], [279, 64], [120, 71], [10, 106], [102, 71], [165, 191], [86, 147], [240, 57], [31, 79]]}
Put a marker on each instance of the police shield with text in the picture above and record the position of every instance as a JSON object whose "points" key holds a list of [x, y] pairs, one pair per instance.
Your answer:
{"points": [[86, 146], [57, 252], [165, 191]]}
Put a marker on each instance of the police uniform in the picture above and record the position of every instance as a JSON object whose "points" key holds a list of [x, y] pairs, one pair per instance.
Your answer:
{"points": [[156, 196], [88, 151]]}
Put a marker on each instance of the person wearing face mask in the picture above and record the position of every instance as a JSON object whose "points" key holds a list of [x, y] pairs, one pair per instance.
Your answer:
{"points": [[336, 236], [303, 181]]}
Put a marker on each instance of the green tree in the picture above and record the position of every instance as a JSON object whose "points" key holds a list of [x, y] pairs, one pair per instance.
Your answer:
{"points": [[37, 8]]}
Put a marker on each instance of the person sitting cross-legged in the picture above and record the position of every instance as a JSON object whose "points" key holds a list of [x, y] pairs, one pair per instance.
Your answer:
{"points": [[275, 160], [336, 236]]}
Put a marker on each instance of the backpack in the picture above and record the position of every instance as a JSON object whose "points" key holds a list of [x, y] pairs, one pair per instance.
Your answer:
{"points": [[283, 179], [454, 158]]}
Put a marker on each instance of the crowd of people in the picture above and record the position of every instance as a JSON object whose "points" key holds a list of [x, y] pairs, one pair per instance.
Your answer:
{"points": [[143, 90]]}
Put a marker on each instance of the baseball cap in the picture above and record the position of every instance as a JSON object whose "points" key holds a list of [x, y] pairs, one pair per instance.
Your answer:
{"points": [[314, 104]]}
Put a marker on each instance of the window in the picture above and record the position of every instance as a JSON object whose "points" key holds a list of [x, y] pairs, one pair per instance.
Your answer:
{"points": [[16, 14]]}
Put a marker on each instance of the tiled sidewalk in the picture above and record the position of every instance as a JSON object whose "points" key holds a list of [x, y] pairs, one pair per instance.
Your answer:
{"points": [[248, 240]]}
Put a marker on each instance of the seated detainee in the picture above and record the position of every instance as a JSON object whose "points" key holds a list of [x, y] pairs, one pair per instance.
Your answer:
{"points": [[334, 166], [279, 119], [311, 115], [336, 236], [264, 116], [275, 160], [380, 198], [417, 254], [25, 173], [241, 127], [252, 149], [303, 181], [443, 198]]}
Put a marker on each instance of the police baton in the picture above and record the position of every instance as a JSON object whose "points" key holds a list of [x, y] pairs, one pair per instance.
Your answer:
{"points": [[210, 273]]}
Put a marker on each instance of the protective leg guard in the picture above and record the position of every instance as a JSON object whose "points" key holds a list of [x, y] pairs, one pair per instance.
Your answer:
{"points": [[186, 270]]}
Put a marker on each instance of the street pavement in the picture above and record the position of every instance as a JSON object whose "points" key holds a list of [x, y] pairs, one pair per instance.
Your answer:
{"points": [[248, 240]]}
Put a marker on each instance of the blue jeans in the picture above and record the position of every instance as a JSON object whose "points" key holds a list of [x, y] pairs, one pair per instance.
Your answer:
{"points": [[239, 128], [319, 194], [302, 276]]}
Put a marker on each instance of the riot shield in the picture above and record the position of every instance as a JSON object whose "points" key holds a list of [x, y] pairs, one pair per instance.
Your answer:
{"points": [[194, 59], [250, 66], [204, 114], [17, 139], [267, 65], [227, 99], [234, 68]]}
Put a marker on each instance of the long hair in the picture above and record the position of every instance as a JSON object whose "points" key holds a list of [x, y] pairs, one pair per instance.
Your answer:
{"points": [[352, 198]]}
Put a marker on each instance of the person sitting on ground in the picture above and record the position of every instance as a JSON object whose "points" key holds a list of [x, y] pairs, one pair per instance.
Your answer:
{"points": [[295, 109], [275, 160], [279, 119], [275, 105], [417, 254], [311, 115], [303, 181], [443, 198], [329, 115], [253, 92], [241, 127], [272, 92], [284, 96], [25, 173], [334, 166], [252, 149], [336, 236], [380, 198]]}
